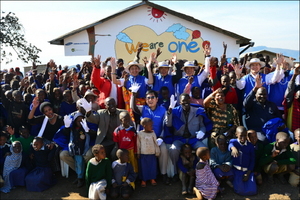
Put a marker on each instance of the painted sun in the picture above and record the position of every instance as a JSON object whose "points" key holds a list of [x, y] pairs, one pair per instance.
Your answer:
{"points": [[156, 15]]}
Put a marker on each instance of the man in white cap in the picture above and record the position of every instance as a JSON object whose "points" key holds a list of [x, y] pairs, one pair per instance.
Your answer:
{"points": [[247, 82]]}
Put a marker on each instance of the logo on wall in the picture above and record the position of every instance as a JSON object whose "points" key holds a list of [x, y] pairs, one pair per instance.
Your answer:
{"points": [[156, 15], [186, 43]]}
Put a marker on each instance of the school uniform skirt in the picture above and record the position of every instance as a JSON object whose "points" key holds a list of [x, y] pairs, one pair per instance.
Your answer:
{"points": [[244, 188], [17, 177], [147, 167], [40, 179]]}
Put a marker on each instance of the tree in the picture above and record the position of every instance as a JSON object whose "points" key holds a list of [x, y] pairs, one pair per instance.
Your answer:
{"points": [[12, 36]]}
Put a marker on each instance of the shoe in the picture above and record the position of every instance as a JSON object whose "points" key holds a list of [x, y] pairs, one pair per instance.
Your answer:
{"points": [[143, 184], [175, 178], [190, 191], [75, 181], [184, 192], [166, 179], [198, 193], [80, 183], [228, 182], [282, 179], [153, 182]]}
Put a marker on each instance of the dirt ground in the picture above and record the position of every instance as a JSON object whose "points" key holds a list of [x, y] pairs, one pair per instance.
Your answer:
{"points": [[64, 189]]}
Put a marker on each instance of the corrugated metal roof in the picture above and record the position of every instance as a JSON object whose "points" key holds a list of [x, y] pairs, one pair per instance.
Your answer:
{"points": [[242, 41]]}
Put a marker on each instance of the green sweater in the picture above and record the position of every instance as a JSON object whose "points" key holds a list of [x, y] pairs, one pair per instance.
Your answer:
{"points": [[285, 158], [95, 173], [26, 142]]}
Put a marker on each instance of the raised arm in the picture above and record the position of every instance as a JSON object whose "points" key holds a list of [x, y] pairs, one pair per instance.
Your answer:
{"points": [[113, 72], [150, 74]]}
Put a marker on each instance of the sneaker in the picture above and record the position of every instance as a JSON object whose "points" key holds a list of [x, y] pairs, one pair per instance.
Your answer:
{"points": [[228, 182], [143, 184], [153, 182], [184, 192], [198, 193]]}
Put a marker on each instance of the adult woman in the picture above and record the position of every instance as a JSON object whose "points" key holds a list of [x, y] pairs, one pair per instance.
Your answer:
{"points": [[224, 116], [51, 122], [157, 113]]}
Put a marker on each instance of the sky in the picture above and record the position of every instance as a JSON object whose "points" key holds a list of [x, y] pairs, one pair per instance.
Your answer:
{"points": [[267, 23]]}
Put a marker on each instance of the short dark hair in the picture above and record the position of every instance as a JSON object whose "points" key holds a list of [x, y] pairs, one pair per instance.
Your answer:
{"points": [[201, 152], [96, 147], [152, 92], [120, 152]]}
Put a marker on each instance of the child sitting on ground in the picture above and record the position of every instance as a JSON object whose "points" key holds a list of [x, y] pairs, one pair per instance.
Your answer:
{"points": [[41, 177], [147, 151], [123, 176], [98, 173], [186, 167], [277, 158], [220, 161], [243, 160], [125, 138], [12, 162], [295, 148], [25, 138], [206, 183], [258, 149], [79, 143], [4, 149]]}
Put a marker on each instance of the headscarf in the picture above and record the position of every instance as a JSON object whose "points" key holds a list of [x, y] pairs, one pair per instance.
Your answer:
{"points": [[11, 163]]}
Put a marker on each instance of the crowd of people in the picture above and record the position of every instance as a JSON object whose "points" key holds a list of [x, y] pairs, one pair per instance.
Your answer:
{"points": [[236, 123]]}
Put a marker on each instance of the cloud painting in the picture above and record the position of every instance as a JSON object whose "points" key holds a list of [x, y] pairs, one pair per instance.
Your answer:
{"points": [[123, 37], [179, 31]]}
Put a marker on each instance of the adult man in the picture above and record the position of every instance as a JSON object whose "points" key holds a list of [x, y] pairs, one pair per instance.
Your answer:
{"points": [[188, 127], [247, 82], [107, 120], [258, 109]]}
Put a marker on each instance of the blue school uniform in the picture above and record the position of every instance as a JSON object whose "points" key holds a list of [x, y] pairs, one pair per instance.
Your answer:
{"points": [[241, 164]]}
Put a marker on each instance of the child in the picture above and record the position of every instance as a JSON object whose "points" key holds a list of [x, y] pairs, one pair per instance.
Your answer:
{"points": [[79, 144], [295, 148], [258, 149], [220, 161], [41, 177], [277, 158], [25, 138], [147, 150], [186, 165], [243, 161], [123, 175], [206, 182], [98, 173], [125, 138], [12, 162], [4, 149], [67, 106]]}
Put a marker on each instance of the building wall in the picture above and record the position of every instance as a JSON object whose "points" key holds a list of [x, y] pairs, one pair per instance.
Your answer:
{"points": [[153, 28]]}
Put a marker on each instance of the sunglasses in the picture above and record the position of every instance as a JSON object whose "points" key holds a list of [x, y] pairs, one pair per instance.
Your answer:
{"points": [[151, 97]]}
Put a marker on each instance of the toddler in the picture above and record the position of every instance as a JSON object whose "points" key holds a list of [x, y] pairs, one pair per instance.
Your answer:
{"points": [[206, 183], [25, 139], [123, 176], [147, 151], [186, 167], [295, 148]]}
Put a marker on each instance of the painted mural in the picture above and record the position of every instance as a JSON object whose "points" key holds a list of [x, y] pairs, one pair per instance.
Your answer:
{"points": [[186, 43]]}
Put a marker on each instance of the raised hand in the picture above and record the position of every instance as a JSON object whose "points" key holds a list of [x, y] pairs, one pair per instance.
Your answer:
{"points": [[258, 81], [84, 125], [158, 52], [140, 47], [135, 87], [113, 63], [67, 121], [85, 104], [207, 50], [191, 79], [174, 58], [35, 102], [172, 102], [10, 130], [97, 61], [238, 70], [225, 47]]}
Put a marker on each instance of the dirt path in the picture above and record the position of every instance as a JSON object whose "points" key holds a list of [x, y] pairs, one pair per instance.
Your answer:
{"points": [[65, 190]]}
